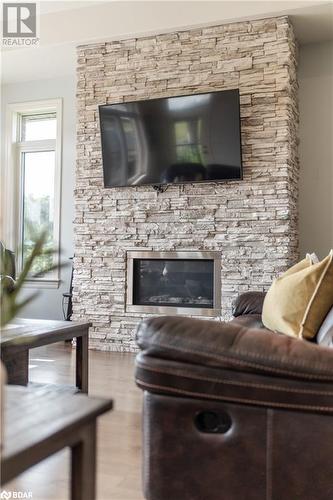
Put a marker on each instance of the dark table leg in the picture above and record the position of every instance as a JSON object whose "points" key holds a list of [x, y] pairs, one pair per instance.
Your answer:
{"points": [[17, 365], [83, 474], [82, 362]]}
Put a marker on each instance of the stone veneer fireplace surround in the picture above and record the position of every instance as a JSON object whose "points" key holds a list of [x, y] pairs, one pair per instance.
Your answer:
{"points": [[251, 223]]}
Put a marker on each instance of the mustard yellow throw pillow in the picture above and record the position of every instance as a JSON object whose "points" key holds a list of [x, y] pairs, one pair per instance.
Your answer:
{"points": [[298, 301]]}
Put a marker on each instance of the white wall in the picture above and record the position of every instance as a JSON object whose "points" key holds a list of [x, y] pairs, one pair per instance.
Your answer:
{"points": [[316, 148], [48, 303]]}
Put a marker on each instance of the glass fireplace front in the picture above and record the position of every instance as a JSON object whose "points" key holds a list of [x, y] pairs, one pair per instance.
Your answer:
{"points": [[159, 281]]}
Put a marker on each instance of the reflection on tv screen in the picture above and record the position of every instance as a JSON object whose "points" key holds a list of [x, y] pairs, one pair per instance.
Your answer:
{"points": [[193, 138]]}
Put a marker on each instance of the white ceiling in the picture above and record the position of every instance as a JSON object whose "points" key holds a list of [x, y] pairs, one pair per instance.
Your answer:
{"points": [[64, 25]]}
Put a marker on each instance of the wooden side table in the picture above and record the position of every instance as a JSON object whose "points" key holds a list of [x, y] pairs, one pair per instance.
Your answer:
{"points": [[40, 422], [24, 334]]}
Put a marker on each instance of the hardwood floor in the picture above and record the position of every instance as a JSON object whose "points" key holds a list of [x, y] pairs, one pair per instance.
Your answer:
{"points": [[119, 431]]}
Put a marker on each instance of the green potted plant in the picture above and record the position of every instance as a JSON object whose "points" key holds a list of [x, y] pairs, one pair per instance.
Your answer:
{"points": [[10, 302], [11, 305]]}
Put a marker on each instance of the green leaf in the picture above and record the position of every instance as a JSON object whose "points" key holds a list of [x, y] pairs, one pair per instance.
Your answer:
{"points": [[10, 306]]}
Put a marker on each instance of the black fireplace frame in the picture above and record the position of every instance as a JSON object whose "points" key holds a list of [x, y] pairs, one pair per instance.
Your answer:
{"points": [[186, 255]]}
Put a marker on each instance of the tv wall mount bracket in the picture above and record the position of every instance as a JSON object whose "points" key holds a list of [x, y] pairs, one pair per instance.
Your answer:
{"points": [[159, 188]]}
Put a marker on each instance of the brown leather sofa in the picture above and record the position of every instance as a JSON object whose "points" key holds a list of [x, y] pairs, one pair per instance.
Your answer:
{"points": [[233, 411]]}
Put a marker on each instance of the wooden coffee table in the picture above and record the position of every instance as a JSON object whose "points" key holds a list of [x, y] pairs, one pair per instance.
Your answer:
{"points": [[41, 422], [22, 335]]}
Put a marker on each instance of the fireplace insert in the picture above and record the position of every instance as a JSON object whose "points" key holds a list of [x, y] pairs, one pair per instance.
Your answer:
{"points": [[174, 282]]}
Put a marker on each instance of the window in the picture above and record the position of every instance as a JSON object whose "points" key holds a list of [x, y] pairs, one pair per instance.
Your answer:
{"points": [[188, 148], [35, 161]]}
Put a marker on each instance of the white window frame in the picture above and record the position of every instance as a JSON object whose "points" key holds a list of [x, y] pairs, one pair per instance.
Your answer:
{"points": [[13, 199]]}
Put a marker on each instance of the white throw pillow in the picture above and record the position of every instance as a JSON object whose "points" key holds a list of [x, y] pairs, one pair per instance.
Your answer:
{"points": [[325, 333], [313, 257]]}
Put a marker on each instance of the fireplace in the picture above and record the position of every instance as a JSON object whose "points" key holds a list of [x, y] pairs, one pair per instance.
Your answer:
{"points": [[174, 283]]}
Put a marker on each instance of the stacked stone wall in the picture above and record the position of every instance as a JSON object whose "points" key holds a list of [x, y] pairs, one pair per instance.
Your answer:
{"points": [[253, 222]]}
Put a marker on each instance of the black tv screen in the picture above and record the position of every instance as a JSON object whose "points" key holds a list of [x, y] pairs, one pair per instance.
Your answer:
{"points": [[194, 138]]}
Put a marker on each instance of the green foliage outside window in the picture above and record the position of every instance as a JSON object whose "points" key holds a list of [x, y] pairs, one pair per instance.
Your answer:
{"points": [[37, 220]]}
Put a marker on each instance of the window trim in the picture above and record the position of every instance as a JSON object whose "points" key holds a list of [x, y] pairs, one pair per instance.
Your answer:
{"points": [[12, 202]]}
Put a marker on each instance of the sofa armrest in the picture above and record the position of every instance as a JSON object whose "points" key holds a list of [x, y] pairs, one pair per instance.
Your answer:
{"points": [[248, 303], [227, 361]]}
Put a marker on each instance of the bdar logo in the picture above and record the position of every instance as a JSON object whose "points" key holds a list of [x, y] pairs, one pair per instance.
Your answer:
{"points": [[15, 494], [19, 20], [5, 494]]}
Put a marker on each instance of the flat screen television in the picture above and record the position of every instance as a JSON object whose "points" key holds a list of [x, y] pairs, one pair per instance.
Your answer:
{"points": [[193, 138]]}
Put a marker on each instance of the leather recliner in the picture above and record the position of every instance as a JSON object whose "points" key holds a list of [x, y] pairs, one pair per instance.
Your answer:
{"points": [[233, 411]]}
